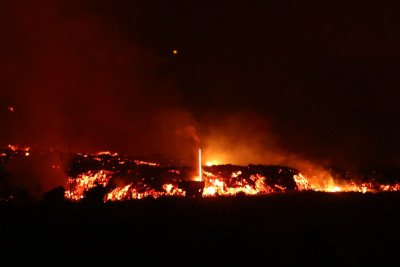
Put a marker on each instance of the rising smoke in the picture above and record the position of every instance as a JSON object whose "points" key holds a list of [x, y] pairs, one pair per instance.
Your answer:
{"points": [[87, 75]]}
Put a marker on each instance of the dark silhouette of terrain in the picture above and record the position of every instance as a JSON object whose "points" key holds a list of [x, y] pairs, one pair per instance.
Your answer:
{"points": [[293, 228], [290, 228]]}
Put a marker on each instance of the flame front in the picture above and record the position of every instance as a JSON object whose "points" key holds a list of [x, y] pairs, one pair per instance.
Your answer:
{"points": [[217, 181], [215, 185], [86, 181], [123, 178], [329, 185]]}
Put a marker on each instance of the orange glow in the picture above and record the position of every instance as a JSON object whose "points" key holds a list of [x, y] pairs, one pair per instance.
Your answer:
{"points": [[134, 192], [175, 52], [106, 153], [16, 148], [140, 162], [216, 186], [86, 181], [211, 163], [217, 183], [329, 185], [119, 193], [11, 109]]}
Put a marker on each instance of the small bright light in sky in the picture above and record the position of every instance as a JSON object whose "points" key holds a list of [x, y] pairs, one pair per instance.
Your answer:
{"points": [[11, 109], [175, 52]]}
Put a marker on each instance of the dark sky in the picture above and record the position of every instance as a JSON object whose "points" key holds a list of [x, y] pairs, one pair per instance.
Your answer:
{"points": [[273, 82]]}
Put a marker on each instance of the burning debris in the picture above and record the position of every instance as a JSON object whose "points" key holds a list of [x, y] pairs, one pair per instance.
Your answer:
{"points": [[13, 152], [119, 177], [138, 179]]}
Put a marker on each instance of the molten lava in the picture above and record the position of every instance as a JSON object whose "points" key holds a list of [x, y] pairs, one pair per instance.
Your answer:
{"points": [[123, 178], [215, 185], [220, 180], [86, 181]]}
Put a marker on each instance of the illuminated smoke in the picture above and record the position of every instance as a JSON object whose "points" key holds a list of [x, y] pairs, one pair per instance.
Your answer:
{"points": [[188, 132]]}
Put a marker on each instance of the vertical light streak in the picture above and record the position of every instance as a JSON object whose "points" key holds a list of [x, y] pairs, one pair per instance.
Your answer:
{"points": [[200, 164]]}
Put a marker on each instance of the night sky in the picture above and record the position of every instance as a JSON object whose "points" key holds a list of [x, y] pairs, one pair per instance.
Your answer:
{"points": [[296, 83]]}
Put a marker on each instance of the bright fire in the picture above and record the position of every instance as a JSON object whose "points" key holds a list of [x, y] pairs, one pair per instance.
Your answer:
{"points": [[137, 179], [121, 178], [86, 181], [215, 185], [211, 163], [89, 180], [329, 185]]}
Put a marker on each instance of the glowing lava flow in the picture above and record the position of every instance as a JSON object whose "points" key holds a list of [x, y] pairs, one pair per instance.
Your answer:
{"points": [[86, 181], [329, 185], [142, 191], [219, 180], [215, 185], [137, 179]]}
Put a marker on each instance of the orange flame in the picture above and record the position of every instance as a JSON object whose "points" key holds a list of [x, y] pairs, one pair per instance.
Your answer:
{"points": [[304, 183], [216, 186], [215, 183]]}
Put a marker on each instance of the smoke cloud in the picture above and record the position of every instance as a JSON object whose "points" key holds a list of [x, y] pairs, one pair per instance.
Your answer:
{"points": [[251, 86], [74, 79]]}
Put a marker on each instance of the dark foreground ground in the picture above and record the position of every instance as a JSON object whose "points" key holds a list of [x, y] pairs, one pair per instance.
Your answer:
{"points": [[293, 228]]}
